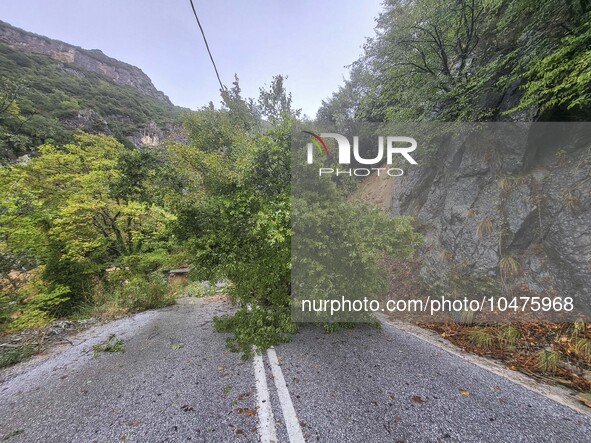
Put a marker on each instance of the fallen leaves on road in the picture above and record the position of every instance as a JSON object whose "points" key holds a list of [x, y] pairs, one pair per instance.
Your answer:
{"points": [[177, 346], [246, 411], [245, 395], [187, 408], [464, 392], [418, 399]]}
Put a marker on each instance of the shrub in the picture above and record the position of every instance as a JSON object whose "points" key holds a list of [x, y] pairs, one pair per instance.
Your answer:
{"points": [[145, 292], [11, 356], [485, 227]]}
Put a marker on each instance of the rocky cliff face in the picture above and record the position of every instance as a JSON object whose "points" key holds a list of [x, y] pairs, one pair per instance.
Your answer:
{"points": [[74, 57], [516, 212]]}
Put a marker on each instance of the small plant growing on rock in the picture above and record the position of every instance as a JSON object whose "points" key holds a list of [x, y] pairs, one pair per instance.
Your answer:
{"points": [[505, 185], [485, 227], [508, 267], [572, 199], [445, 256]]}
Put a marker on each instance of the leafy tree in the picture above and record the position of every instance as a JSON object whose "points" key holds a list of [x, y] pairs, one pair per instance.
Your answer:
{"points": [[441, 60], [12, 142], [236, 218], [274, 102], [72, 208]]}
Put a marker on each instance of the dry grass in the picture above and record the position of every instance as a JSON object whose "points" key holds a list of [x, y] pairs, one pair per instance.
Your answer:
{"points": [[572, 199], [543, 350], [508, 267], [548, 360], [445, 256], [485, 227]]}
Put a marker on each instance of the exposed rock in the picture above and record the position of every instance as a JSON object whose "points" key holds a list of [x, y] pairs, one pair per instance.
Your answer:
{"points": [[533, 197], [88, 121], [152, 135]]}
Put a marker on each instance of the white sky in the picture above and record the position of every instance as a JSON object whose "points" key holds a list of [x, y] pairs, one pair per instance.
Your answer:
{"points": [[309, 41]]}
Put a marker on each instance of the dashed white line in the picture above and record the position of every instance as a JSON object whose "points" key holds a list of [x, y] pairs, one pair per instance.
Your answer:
{"points": [[294, 431], [266, 421]]}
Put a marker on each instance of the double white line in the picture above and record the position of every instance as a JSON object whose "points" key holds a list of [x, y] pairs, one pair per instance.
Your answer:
{"points": [[267, 429]]}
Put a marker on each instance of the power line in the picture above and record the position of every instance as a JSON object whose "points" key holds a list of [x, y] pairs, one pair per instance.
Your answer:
{"points": [[207, 46]]}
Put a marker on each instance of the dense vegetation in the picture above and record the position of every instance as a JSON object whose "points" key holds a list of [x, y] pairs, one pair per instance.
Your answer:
{"points": [[480, 60], [74, 211], [90, 221], [92, 224], [471, 60], [238, 216]]}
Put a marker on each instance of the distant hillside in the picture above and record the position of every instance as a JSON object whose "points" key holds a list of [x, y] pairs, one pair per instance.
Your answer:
{"points": [[48, 89]]}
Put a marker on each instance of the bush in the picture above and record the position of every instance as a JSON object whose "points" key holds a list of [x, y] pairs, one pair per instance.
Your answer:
{"points": [[11, 356], [199, 289], [145, 292], [40, 303]]}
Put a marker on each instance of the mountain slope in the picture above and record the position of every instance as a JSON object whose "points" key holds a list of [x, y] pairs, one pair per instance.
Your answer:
{"points": [[48, 89]]}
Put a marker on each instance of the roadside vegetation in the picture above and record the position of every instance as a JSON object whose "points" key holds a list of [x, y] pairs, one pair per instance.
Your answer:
{"points": [[89, 224], [477, 61]]}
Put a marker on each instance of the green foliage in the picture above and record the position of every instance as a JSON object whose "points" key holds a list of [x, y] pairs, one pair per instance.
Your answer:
{"points": [[471, 60], [64, 206], [548, 360], [146, 262], [237, 218], [337, 247], [141, 292], [11, 356], [582, 347], [111, 344], [562, 78], [75, 210], [235, 215], [261, 327]]}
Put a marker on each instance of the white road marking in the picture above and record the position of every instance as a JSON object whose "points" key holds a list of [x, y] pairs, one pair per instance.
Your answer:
{"points": [[265, 413], [294, 431]]}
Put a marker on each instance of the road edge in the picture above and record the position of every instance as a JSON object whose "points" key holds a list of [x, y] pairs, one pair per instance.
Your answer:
{"points": [[558, 394]]}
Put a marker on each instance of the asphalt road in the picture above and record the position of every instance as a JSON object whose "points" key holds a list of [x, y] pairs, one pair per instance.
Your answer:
{"points": [[176, 382]]}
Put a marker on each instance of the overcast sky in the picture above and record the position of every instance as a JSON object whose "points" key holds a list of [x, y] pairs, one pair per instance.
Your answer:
{"points": [[309, 41]]}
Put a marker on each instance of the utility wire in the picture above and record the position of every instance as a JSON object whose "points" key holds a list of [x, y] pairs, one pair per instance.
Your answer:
{"points": [[207, 46]]}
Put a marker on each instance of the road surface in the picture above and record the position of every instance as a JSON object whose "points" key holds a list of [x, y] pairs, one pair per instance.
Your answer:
{"points": [[176, 382]]}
